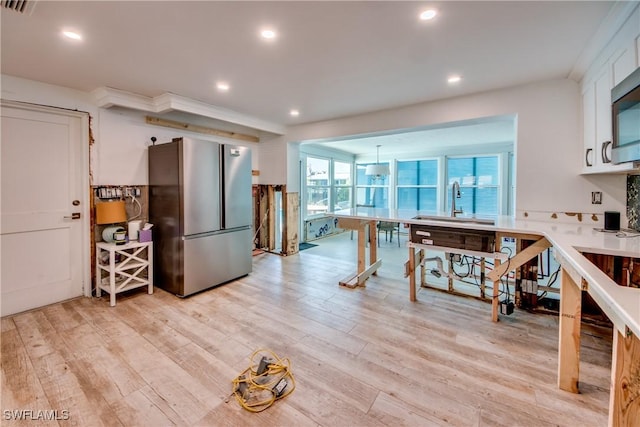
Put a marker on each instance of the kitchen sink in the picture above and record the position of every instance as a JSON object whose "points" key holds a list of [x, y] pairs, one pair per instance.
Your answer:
{"points": [[442, 231], [457, 219]]}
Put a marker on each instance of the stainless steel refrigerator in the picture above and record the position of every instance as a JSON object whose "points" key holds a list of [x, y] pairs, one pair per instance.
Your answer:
{"points": [[201, 206]]}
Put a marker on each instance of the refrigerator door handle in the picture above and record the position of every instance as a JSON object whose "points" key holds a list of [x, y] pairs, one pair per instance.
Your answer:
{"points": [[222, 193]]}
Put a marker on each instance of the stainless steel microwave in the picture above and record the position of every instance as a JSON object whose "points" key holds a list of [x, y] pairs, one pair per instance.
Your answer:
{"points": [[625, 111]]}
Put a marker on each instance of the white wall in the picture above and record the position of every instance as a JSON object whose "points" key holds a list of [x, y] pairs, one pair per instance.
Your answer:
{"points": [[548, 146], [121, 137], [124, 138], [122, 148], [18, 89]]}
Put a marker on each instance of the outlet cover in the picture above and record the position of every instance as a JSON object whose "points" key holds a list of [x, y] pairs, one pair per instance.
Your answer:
{"points": [[596, 197]]}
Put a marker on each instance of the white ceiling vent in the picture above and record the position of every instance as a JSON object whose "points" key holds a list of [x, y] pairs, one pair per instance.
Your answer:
{"points": [[22, 6]]}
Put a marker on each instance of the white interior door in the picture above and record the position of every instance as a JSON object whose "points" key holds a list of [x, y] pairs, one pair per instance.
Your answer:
{"points": [[43, 206]]}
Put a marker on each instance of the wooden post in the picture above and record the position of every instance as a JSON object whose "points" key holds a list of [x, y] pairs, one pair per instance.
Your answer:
{"points": [[362, 246], [624, 400], [412, 274], [373, 244], [263, 194], [271, 197], [569, 333], [291, 216]]}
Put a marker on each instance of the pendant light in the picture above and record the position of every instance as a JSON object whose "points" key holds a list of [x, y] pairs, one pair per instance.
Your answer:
{"points": [[377, 170]]}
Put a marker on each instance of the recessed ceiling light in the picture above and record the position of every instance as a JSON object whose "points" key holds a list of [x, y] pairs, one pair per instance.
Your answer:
{"points": [[268, 34], [294, 113], [222, 86], [72, 35], [428, 14], [454, 79]]}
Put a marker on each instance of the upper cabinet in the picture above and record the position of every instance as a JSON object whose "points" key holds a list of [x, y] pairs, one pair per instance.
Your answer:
{"points": [[625, 61], [619, 59]]}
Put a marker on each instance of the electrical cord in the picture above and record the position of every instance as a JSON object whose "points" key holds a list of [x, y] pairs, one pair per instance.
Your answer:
{"points": [[135, 200], [460, 276], [552, 279], [554, 276], [264, 218], [505, 282], [262, 383], [627, 233]]}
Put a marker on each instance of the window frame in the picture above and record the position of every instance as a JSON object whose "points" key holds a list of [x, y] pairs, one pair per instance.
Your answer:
{"points": [[335, 187], [386, 186], [499, 186], [419, 186], [331, 187]]}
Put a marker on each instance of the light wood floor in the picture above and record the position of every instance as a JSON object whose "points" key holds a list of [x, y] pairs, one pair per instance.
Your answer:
{"points": [[365, 357]]}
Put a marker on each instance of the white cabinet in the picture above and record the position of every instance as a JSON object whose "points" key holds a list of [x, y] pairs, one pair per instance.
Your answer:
{"points": [[126, 266], [619, 59], [603, 118], [596, 104], [624, 62], [589, 122]]}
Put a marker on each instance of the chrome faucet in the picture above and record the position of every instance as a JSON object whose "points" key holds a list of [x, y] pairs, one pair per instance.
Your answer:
{"points": [[455, 194]]}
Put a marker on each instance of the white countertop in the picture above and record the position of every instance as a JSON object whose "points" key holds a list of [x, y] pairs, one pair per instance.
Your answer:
{"points": [[569, 239]]}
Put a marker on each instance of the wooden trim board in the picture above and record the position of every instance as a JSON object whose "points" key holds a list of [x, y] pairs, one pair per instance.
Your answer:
{"points": [[200, 129]]}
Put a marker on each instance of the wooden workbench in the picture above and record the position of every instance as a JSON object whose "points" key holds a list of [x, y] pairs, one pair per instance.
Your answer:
{"points": [[363, 228], [569, 240]]}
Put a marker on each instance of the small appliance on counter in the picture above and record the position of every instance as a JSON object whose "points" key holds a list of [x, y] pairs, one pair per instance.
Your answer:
{"points": [[134, 229], [114, 234], [625, 111]]}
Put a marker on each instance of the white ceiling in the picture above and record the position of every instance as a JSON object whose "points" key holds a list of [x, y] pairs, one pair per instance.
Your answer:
{"points": [[330, 59], [428, 140]]}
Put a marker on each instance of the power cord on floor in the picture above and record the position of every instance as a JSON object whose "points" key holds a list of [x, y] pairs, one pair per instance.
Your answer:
{"points": [[264, 382]]}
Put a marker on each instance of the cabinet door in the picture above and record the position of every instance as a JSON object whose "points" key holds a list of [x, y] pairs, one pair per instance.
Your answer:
{"points": [[624, 63], [603, 117], [589, 123]]}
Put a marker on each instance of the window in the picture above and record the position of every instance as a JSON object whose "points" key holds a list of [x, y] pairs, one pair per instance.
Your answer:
{"points": [[371, 191], [329, 185], [342, 184], [417, 185], [317, 185], [479, 184]]}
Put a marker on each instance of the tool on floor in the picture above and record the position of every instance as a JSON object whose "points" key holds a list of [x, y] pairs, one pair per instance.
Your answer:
{"points": [[264, 382]]}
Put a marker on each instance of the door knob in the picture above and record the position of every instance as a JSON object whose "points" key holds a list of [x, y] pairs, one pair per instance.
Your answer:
{"points": [[75, 215]]}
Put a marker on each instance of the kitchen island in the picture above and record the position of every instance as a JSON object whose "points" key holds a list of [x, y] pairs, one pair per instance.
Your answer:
{"points": [[569, 240]]}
